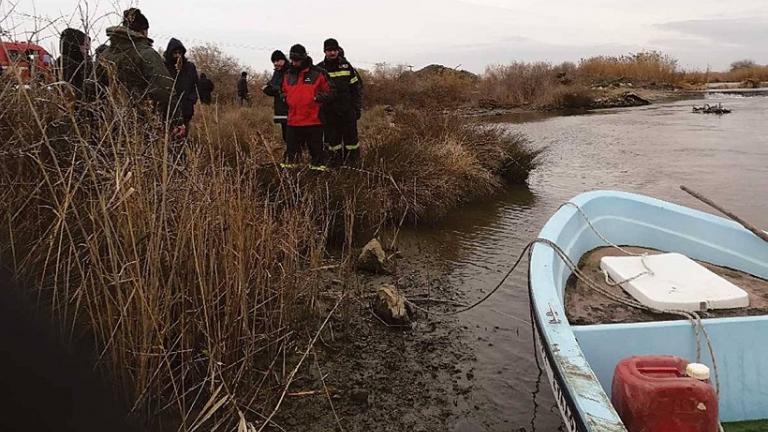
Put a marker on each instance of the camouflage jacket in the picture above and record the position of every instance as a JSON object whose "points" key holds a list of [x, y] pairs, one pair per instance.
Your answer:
{"points": [[132, 61]]}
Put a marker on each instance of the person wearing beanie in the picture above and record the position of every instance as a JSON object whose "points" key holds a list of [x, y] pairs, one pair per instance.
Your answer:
{"points": [[273, 89], [205, 89], [341, 115], [306, 89], [131, 61], [185, 78], [242, 89]]}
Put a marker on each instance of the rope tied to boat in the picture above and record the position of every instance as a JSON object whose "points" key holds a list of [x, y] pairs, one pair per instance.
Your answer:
{"points": [[693, 317]]}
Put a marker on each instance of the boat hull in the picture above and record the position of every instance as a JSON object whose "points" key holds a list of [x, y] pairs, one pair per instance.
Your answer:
{"points": [[580, 359]]}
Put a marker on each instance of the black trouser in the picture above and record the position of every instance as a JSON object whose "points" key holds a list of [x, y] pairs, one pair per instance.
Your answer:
{"points": [[341, 138], [300, 136], [283, 129]]}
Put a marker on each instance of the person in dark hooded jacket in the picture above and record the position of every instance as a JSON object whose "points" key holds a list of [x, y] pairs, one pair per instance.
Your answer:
{"points": [[75, 64], [274, 88], [205, 89], [242, 89], [184, 73]]}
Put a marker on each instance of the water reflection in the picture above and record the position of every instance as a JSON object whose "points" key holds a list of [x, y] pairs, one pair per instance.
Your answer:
{"points": [[456, 234]]}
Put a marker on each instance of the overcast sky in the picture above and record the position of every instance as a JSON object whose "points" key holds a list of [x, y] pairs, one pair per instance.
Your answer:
{"points": [[470, 33]]}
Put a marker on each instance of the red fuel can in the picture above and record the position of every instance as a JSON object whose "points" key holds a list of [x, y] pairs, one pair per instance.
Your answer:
{"points": [[664, 394]]}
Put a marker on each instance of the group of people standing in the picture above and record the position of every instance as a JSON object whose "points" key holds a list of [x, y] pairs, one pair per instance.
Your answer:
{"points": [[316, 106], [171, 83]]}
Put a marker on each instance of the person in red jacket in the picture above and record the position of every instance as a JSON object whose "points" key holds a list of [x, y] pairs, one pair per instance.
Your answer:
{"points": [[306, 88]]}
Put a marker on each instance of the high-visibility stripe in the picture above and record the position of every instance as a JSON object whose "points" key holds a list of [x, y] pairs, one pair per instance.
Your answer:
{"points": [[318, 168], [339, 74], [354, 80], [353, 147], [279, 117], [334, 148], [288, 165]]}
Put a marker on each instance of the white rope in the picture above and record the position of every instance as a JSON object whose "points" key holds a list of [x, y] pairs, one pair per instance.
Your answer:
{"points": [[594, 230], [693, 317]]}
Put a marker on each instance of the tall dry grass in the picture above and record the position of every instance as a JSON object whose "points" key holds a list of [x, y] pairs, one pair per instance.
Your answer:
{"points": [[433, 87], [753, 73], [518, 83], [224, 71], [537, 85], [195, 267], [648, 67], [190, 277]]}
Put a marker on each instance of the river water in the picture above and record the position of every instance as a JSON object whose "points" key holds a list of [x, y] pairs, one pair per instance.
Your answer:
{"points": [[650, 150]]}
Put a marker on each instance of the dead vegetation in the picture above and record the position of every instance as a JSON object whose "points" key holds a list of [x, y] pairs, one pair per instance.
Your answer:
{"points": [[197, 267], [537, 85]]}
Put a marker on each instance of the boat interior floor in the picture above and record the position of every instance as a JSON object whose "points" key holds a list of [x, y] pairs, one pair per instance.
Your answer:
{"points": [[585, 306]]}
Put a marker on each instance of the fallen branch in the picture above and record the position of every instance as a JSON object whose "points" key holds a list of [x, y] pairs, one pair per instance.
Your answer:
{"points": [[298, 365], [327, 392], [305, 393]]}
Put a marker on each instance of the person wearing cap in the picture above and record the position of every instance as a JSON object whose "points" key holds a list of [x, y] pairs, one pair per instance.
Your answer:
{"points": [[185, 78], [242, 89], [132, 62], [341, 115], [273, 89], [306, 89], [205, 89]]}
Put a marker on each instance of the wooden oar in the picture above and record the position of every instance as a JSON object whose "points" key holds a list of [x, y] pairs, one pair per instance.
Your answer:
{"points": [[756, 231]]}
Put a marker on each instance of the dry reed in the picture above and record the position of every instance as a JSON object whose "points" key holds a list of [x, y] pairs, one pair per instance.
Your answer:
{"points": [[194, 265]]}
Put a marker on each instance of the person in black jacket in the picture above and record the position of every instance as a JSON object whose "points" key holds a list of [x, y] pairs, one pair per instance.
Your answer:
{"points": [[185, 78], [242, 89], [274, 88], [340, 116], [205, 89], [75, 64]]}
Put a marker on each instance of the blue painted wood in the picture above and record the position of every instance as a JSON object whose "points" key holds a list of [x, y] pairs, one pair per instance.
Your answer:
{"points": [[630, 219]]}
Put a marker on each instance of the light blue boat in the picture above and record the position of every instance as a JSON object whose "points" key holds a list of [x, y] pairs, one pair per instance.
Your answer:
{"points": [[580, 360]]}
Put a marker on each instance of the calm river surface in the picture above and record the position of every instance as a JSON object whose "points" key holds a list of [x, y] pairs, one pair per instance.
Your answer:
{"points": [[650, 150]]}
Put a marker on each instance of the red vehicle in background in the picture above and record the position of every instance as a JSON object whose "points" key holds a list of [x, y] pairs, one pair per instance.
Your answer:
{"points": [[26, 61]]}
